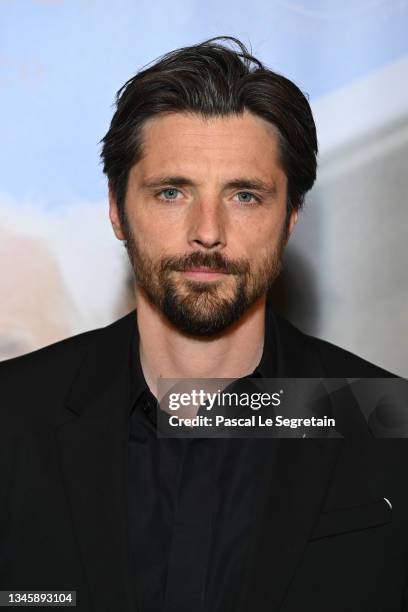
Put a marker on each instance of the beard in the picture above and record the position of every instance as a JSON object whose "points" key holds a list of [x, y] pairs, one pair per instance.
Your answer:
{"points": [[203, 308]]}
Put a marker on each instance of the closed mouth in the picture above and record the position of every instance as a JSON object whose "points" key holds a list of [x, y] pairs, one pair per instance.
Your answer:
{"points": [[209, 270]]}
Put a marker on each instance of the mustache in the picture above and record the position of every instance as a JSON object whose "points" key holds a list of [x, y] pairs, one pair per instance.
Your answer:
{"points": [[197, 259]]}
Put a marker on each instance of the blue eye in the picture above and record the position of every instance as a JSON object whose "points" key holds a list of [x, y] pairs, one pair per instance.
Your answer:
{"points": [[246, 197], [170, 193]]}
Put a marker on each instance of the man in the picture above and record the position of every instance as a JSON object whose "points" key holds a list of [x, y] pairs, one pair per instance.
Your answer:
{"points": [[209, 156]]}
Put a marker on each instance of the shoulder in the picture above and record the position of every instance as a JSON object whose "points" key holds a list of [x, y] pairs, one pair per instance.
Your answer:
{"points": [[33, 386], [334, 361], [47, 360], [38, 380], [63, 352]]}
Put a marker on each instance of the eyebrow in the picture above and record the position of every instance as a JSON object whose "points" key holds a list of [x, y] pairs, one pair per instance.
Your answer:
{"points": [[238, 183]]}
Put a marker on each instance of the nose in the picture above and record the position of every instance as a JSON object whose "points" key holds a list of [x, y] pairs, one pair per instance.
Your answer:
{"points": [[207, 227]]}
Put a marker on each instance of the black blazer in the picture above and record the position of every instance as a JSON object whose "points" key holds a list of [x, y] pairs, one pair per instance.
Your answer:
{"points": [[325, 538]]}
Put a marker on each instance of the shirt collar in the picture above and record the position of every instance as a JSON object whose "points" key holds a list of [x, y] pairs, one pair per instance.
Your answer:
{"points": [[267, 367]]}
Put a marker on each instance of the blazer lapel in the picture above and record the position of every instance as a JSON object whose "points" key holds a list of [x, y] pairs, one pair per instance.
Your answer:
{"points": [[292, 496], [93, 445]]}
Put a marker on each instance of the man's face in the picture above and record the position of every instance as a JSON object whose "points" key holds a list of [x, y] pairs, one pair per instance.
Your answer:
{"points": [[208, 194]]}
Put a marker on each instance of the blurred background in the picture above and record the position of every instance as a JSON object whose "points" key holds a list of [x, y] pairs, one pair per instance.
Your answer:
{"points": [[61, 63]]}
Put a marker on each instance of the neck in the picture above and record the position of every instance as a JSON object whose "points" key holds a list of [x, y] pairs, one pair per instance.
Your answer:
{"points": [[165, 352]]}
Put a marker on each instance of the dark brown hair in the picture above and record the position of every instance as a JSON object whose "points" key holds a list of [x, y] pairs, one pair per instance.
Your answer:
{"points": [[217, 77]]}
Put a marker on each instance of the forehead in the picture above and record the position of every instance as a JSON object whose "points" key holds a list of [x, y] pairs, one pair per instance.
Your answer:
{"points": [[245, 143]]}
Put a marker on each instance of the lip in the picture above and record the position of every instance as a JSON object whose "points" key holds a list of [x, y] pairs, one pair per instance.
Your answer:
{"points": [[204, 273]]}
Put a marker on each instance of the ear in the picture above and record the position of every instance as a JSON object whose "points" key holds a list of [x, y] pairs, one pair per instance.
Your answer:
{"points": [[290, 227], [292, 221], [114, 215]]}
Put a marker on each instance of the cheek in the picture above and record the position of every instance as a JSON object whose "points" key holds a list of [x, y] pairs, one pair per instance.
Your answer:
{"points": [[154, 239], [156, 220], [259, 240]]}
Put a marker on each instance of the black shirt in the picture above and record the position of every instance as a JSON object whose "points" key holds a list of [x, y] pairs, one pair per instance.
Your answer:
{"points": [[190, 502]]}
